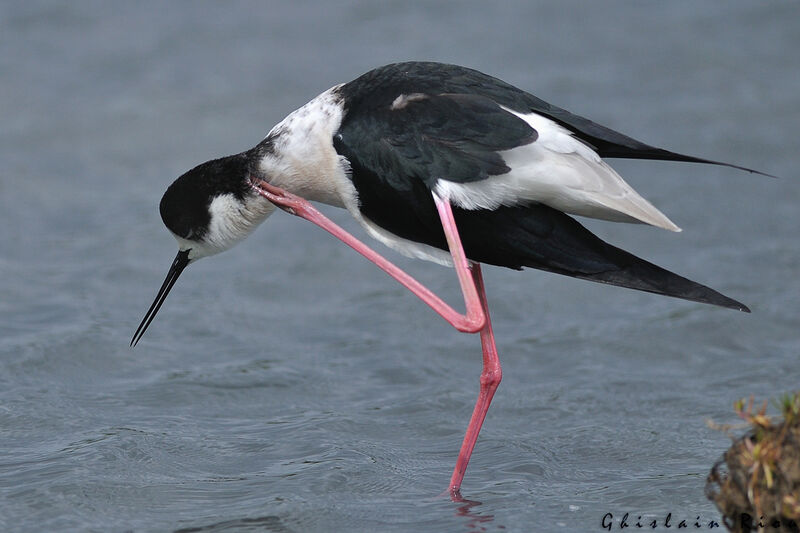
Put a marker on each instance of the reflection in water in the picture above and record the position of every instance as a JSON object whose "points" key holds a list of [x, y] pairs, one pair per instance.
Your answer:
{"points": [[474, 519]]}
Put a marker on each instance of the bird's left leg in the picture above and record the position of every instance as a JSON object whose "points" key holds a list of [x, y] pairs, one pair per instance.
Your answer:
{"points": [[491, 375], [470, 275]]}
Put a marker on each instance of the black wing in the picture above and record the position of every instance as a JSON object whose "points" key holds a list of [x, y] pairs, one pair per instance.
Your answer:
{"points": [[426, 77], [421, 136], [535, 236], [401, 132]]}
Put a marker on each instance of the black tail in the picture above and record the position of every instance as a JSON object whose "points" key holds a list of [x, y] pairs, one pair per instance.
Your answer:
{"points": [[650, 152], [540, 237], [636, 273]]}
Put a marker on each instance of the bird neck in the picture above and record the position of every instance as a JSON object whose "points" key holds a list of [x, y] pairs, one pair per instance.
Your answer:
{"points": [[297, 155]]}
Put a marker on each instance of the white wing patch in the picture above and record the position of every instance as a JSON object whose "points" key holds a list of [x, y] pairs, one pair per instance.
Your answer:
{"points": [[560, 171]]}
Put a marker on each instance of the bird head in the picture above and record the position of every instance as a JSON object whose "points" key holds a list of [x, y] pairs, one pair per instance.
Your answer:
{"points": [[208, 210]]}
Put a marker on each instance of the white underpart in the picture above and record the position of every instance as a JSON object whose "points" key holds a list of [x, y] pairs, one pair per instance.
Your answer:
{"points": [[406, 247], [231, 221], [560, 171]]}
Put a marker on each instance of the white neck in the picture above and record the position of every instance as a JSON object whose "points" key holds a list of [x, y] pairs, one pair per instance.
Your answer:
{"points": [[302, 159]]}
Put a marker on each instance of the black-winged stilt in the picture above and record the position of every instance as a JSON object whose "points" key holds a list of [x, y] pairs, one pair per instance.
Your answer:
{"points": [[443, 163]]}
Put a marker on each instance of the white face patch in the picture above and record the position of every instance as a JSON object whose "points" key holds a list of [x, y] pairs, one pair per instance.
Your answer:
{"points": [[231, 221]]}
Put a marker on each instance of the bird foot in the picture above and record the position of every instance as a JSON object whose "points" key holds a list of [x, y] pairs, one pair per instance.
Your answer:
{"points": [[291, 203]]}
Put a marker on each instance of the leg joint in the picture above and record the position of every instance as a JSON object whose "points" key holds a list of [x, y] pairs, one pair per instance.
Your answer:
{"points": [[491, 377]]}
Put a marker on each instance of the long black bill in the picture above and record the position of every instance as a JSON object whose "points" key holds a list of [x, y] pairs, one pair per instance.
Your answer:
{"points": [[180, 262]]}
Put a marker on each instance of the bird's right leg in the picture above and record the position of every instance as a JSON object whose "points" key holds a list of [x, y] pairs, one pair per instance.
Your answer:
{"points": [[472, 321], [476, 319]]}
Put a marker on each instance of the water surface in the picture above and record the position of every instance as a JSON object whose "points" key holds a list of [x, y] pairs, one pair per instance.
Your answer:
{"points": [[290, 386]]}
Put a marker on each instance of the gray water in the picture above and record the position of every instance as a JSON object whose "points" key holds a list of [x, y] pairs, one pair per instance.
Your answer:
{"points": [[288, 385]]}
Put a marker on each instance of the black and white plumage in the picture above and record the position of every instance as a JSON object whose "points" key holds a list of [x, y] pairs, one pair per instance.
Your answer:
{"points": [[512, 165], [390, 144]]}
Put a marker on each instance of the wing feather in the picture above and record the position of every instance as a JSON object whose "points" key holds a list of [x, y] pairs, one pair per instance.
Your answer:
{"points": [[429, 136]]}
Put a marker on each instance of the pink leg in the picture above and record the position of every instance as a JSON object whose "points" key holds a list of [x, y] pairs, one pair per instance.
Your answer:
{"points": [[476, 318], [490, 378], [472, 321]]}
